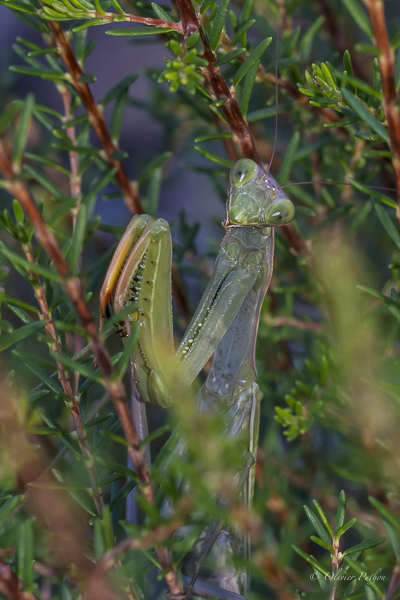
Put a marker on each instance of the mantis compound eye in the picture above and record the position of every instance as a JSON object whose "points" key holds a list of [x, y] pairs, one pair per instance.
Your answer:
{"points": [[280, 213], [243, 171]]}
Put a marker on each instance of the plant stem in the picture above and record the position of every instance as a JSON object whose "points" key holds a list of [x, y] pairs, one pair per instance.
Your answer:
{"points": [[114, 386], [157, 536], [96, 116], [65, 381], [222, 91], [335, 566], [394, 582], [376, 11], [11, 586], [160, 23], [75, 180], [231, 109]]}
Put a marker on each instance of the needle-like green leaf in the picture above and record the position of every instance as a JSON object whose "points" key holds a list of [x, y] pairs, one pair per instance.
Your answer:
{"points": [[226, 58], [319, 528], [137, 31], [153, 166], [365, 545], [214, 158], [118, 89], [76, 366], [9, 506], [386, 221], [311, 560], [365, 114], [253, 57], [22, 131], [21, 334], [25, 554], [358, 13], [345, 527], [247, 88], [341, 510], [78, 237], [289, 158], [218, 23], [9, 115]]}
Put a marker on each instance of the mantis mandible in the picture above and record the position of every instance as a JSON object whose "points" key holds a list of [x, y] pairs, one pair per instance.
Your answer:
{"points": [[226, 320]]}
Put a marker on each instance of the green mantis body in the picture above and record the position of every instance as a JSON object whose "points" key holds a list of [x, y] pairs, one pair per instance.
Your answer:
{"points": [[226, 320]]}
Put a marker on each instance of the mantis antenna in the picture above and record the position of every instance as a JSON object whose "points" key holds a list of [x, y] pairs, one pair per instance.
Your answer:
{"points": [[276, 104], [372, 187]]}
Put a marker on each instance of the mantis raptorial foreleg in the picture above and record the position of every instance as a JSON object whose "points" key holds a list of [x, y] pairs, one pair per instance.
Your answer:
{"points": [[226, 320]]}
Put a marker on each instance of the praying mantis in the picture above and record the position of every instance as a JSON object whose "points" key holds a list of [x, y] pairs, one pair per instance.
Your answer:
{"points": [[226, 321]]}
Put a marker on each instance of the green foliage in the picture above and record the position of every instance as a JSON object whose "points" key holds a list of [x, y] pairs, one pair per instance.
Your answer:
{"points": [[328, 342], [183, 69], [341, 570]]}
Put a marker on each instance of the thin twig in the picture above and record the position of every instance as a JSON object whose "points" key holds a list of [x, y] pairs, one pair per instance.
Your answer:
{"points": [[96, 116], [129, 18], [75, 185], [292, 322], [205, 590], [387, 60], [11, 586], [155, 537], [284, 84], [339, 40], [68, 531], [230, 109], [65, 381], [394, 582], [336, 562], [114, 386], [75, 180]]}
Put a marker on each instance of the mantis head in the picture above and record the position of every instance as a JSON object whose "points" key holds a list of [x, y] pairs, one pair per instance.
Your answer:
{"points": [[255, 199]]}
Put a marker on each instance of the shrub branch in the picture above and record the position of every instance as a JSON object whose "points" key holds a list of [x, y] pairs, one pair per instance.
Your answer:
{"points": [[231, 109], [96, 116], [222, 91], [65, 381], [129, 18], [114, 386], [75, 180], [376, 11], [157, 536], [284, 84], [11, 586]]}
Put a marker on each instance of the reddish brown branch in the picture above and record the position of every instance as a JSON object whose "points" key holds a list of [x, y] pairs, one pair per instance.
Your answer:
{"points": [[95, 116], [68, 531], [75, 180], [114, 386], [222, 91], [10, 586], [376, 11], [64, 379], [394, 582], [231, 109], [292, 322], [328, 115], [158, 536], [338, 38], [160, 23]]}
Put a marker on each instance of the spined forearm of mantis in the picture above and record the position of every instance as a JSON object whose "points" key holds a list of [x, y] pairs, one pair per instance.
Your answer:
{"points": [[226, 321]]}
